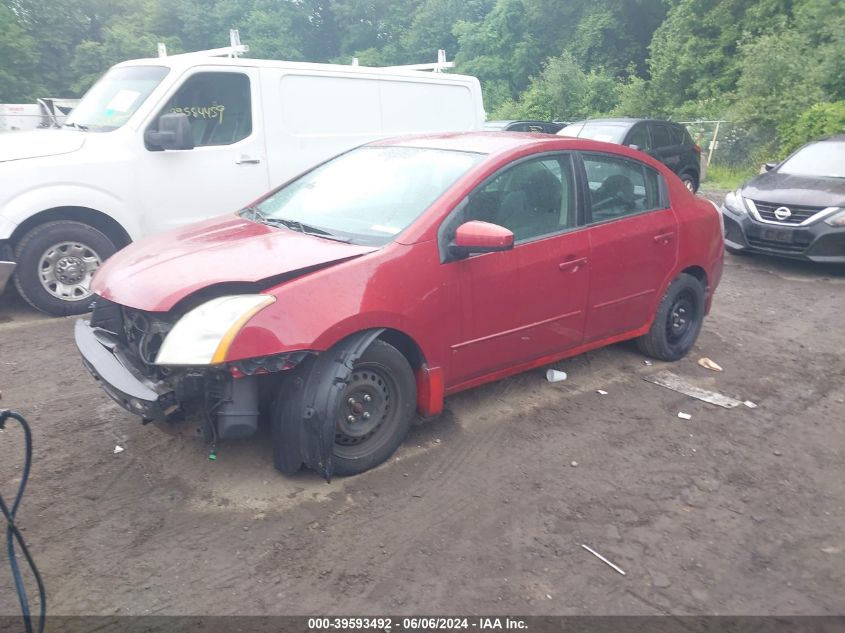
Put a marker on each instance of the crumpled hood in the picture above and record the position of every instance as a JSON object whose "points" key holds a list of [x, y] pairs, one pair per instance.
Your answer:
{"points": [[38, 143], [156, 273], [787, 189]]}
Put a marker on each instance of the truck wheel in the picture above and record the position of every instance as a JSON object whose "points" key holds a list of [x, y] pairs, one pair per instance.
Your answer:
{"points": [[677, 322], [376, 410], [55, 263]]}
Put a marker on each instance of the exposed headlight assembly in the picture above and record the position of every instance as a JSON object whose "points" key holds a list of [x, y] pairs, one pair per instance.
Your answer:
{"points": [[203, 336], [734, 203], [837, 219]]}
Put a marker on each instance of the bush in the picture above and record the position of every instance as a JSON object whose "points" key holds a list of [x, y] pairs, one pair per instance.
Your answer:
{"points": [[820, 119]]}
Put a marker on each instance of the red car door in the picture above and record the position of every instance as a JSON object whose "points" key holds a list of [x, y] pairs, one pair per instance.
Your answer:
{"points": [[530, 301], [633, 235]]}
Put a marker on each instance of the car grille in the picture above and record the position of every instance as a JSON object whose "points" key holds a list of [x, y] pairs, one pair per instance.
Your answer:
{"points": [[799, 213], [774, 245]]}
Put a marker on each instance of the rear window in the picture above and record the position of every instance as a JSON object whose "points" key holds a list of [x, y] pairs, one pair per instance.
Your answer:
{"points": [[660, 136], [824, 158], [607, 132]]}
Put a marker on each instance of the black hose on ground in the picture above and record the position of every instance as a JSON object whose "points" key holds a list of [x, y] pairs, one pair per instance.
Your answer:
{"points": [[13, 533]]}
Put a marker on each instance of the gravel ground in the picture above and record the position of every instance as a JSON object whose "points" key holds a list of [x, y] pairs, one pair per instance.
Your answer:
{"points": [[484, 509]]}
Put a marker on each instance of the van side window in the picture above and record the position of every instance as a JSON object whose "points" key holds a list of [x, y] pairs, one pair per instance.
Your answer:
{"points": [[620, 187], [217, 104]]}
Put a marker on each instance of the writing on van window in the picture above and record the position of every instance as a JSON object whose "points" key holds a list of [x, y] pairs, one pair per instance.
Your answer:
{"points": [[202, 112]]}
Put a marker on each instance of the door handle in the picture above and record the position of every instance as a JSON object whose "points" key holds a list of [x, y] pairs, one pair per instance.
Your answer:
{"points": [[247, 160], [573, 265], [664, 238]]}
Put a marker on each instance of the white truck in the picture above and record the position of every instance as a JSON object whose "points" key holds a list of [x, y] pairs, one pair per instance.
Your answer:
{"points": [[46, 112], [157, 143]]}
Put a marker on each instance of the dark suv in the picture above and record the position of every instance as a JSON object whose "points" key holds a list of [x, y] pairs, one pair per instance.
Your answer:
{"points": [[668, 142]]}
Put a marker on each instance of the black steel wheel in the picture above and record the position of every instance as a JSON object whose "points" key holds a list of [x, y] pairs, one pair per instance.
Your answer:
{"points": [[376, 410], [678, 320]]}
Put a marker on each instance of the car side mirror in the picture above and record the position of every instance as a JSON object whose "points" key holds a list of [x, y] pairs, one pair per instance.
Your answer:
{"points": [[174, 132], [476, 236], [770, 166]]}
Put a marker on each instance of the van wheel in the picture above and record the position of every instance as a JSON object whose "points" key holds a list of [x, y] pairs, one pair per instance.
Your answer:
{"points": [[677, 322], [376, 410], [56, 261]]}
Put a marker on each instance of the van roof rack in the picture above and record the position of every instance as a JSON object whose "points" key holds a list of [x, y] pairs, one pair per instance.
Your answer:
{"points": [[439, 66], [235, 48]]}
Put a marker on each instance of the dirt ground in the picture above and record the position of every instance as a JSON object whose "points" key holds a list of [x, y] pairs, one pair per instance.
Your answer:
{"points": [[483, 510]]}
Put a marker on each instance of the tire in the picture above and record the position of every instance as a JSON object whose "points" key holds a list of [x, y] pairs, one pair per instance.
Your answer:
{"points": [[383, 374], [677, 322], [690, 182], [55, 264]]}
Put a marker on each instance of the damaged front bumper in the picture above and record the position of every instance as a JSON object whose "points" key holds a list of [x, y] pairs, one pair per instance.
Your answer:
{"points": [[137, 394]]}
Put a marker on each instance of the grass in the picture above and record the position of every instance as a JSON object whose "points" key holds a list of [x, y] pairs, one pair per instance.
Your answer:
{"points": [[727, 177]]}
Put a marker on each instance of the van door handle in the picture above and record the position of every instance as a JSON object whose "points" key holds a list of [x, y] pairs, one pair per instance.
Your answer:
{"points": [[247, 160], [573, 265], [664, 238]]}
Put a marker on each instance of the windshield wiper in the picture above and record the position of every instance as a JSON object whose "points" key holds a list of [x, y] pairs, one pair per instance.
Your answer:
{"points": [[307, 229], [78, 126]]}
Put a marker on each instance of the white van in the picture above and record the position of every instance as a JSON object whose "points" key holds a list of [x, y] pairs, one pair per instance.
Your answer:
{"points": [[119, 170]]}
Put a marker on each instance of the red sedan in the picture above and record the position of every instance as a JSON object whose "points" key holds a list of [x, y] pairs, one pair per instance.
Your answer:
{"points": [[367, 289]]}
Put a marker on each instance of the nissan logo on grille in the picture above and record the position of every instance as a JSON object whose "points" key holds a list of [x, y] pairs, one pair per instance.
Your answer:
{"points": [[783, 213]]}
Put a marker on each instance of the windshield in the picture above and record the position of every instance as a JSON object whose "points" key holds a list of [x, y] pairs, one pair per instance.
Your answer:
{"points": [[825, 158], [607, 132], [112, 100], [367, 195]]}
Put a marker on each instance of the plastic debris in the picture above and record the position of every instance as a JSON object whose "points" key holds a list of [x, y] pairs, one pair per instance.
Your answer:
{"points": [[602, 558], [684, 416], [647, 363], [681, 385], [553, 375], [750, 404], [574, 464], [118, 449], [709, 364], [601, 392]]}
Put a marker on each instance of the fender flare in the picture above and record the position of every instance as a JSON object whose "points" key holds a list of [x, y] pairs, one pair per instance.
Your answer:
{"points": [[304, 416]]}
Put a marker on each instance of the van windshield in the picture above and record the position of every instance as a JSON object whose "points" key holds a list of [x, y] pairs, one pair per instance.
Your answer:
{"points": [[366, 196], [115, 97]]}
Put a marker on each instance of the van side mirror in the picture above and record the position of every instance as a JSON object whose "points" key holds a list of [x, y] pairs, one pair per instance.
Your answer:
{"points": [[476, 236], [770, 166], [174, 132]]}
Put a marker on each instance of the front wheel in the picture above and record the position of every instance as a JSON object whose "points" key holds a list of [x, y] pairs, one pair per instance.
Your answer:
{"points": [[376, 410], [56, 261], [678, 320]]}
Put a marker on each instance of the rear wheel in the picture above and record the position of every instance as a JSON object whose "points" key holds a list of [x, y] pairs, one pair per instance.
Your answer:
{"points": [[690, 182], [376, 410], [56, 261], [678, 320]]}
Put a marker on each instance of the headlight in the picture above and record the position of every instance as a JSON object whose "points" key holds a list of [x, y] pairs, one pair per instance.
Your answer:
{"points": [[837, 219], [203, 335], [734, 203]]}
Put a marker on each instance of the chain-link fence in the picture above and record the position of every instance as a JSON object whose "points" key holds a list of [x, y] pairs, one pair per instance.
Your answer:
{"points": [[729, 144]]}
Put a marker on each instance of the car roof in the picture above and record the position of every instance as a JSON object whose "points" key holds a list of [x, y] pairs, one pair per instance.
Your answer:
{"points": [[477, 142], [622, 121]]}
